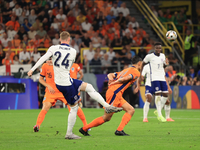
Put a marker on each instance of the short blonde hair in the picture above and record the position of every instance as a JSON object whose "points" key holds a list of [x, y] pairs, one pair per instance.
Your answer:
{"points": [[64, 35]]}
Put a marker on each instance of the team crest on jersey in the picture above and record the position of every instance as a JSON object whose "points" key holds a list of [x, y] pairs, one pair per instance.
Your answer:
{"points": [[72, 69], [157, 88], [75, 97]]}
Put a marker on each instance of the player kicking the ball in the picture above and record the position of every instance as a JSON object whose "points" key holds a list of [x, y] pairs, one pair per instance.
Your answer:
{"points": [[118, 83], [63, 57], [156, 62], [52, 94], [149, 95]]}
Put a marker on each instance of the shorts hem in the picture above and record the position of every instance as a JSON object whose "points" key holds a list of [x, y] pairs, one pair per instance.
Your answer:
{"points": [[149, 94]]}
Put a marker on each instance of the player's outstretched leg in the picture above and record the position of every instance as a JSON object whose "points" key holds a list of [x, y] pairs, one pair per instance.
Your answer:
{"points": [[41, 116], [71, 122], [125, 119], [95, 123], [96, 96], [167, 108], [80, 115]]}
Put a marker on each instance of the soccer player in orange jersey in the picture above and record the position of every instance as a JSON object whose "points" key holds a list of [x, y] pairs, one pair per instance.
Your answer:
{"points": [[52, 94], [74, 70], [117, 84]]}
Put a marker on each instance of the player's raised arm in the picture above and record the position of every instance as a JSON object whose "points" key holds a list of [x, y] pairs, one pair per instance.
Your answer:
{"points": [[40, 62]]}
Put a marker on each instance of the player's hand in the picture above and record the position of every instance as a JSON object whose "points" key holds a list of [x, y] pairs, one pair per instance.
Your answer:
{"points": [[30, 73], [170, 90], [111, 83], [167, 61], [51, 90], [136, 90]]}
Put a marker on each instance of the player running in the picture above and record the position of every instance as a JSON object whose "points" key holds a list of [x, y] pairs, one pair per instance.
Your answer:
{"points": [[156, 62], [118, 83], [52, 94], [63, 57], [149, 95]]}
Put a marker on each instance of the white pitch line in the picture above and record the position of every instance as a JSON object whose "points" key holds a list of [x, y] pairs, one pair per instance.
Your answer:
{"points": [[179, 118]]}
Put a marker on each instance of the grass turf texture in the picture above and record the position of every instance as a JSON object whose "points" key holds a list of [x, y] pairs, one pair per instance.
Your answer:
{"points": [[16, 131]]}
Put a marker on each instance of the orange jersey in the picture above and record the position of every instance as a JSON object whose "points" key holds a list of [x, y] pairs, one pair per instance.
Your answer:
{"points": [[74, 70], [48, 73], [120, 88]]}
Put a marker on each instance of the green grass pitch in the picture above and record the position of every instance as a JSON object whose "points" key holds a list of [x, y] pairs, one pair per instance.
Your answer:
{"points": [[16, 131]]}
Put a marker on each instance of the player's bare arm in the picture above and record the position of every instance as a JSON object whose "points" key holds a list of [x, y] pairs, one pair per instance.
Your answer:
{"points": [[122, 80], [140, 78], [40, 62], [169, 88], [43, 82], [81, 74]]}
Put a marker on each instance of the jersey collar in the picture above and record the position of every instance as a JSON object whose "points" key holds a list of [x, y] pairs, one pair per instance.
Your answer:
{"points": [[155, 54], [64, 44], [133, 66]]}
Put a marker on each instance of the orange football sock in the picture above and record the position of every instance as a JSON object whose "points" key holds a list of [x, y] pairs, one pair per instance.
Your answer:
{"points": [[96, 122], [125, 119], [41, 117], [80, 115]]}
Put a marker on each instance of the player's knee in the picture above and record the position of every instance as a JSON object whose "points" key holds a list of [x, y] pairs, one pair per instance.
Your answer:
{"points": [[167, 102], [46, 106], [149, 98], [89, 88], [106, 118], [131, 111]]}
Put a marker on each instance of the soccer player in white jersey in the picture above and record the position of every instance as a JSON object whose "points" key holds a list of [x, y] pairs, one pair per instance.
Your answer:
{"points": [[63, 57], [156, 62], [149, 95]]}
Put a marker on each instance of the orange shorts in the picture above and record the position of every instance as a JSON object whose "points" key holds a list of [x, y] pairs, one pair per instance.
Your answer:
{"points": [[52, 98], [114, 99]]}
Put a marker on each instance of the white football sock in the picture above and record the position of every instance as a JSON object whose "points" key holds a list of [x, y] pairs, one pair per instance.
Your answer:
{"points": [[146, 109], [158, 104], [95, 95], [163, 101], [167, 111], [72, 119]]}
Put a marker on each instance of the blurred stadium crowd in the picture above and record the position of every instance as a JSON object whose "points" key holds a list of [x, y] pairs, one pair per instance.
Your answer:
{"points": [[27, 25]]}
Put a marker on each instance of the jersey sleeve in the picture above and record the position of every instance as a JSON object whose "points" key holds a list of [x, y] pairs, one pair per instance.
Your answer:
{"points": [[48, 54], [135, 75], [147, 58], [116, 74], [43, 70]]}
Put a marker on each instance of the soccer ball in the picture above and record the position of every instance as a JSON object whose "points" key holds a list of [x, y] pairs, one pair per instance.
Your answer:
{"points": [[171, 35]]}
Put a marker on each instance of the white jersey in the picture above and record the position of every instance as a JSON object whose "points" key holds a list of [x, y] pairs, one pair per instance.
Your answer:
{"points": [[156, 64], [63, 57], [146, 74]]}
